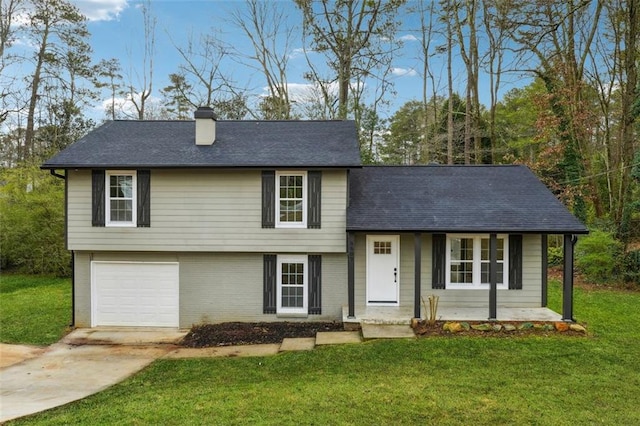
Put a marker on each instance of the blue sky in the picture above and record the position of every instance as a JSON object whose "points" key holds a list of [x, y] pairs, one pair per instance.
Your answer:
{"points": [[116, 28]]}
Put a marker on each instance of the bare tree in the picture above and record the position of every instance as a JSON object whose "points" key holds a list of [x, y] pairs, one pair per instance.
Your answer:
{"points": [[265, 25], [8, 10], [139, 88], [351, 34], [108, 74], [57, 30]]}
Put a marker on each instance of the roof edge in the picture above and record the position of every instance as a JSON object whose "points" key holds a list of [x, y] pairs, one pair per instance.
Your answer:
{"points": [[584, 231], [46, 166]]}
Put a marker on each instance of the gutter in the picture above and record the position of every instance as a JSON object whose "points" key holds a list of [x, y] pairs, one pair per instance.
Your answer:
{"points": [[53, 173], [73, 255]]}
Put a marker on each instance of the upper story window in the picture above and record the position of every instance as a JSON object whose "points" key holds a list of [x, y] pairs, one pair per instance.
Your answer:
{"points": [[468, 261], [121, 198], [291, 202]]}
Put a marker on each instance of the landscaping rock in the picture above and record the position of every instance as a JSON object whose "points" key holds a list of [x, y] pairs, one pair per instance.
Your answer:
{"points": [[561, 325], [496, 327], [548, 327], [465, 325], [525, 326], [509, 327], [578, 328], [481, 327], [453, 327]]}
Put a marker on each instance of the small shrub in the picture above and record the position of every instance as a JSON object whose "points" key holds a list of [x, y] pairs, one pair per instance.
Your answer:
{"points": [[555, 256], [631, 267], [598, 257]]}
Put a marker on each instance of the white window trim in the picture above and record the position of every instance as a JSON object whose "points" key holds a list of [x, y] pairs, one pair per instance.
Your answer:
{"points": [[134, 196], [305, 304], [477, 277], [305, 200]]}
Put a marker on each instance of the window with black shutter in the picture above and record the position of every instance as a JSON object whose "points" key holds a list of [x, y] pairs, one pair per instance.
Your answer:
{"points": [[315, 285]]}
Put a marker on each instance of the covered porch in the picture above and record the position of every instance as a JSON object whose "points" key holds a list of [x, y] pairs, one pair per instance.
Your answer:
{"points": [[474, 235], [491, 310]]}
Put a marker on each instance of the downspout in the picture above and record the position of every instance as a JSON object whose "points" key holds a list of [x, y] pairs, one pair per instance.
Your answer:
{"points": [[53, 173], [73, 255]]}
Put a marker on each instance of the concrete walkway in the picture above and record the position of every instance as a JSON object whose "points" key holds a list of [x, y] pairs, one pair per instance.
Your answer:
{"points": [[65, 373], [87, 361]]}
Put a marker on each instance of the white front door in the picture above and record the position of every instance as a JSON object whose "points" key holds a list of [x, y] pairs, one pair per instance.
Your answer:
{"points": [[383, 274]]}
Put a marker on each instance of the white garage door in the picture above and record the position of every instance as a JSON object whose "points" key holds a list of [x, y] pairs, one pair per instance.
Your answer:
{"points": [[138, 294]]}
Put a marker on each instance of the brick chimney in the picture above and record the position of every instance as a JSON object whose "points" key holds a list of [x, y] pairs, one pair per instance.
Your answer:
{"points": [[205, 126]]}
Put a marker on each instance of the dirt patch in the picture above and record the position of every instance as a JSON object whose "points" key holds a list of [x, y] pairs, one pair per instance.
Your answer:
{"points": [[242, 333]]}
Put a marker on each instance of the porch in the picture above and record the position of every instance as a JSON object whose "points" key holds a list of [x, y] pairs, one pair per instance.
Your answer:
{"points": [[403, 315]]}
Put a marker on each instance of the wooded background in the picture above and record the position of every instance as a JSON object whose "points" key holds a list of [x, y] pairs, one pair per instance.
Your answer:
{"points": [[575, 123]]}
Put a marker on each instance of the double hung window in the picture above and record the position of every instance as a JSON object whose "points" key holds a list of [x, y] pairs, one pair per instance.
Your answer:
{"points": [[468, 261], [291, 202], [292, 284], [121, 198]]}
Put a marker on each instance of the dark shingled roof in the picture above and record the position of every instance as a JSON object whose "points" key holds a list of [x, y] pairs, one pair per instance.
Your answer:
{"points": [[455, 199], [164, 144]]}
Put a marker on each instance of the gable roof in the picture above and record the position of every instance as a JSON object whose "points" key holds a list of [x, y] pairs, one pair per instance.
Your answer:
{"points": [[171, 144], [435, 198]]}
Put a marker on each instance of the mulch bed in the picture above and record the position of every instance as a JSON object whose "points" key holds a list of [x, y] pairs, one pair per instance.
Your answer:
{"points": [[243, 333]]}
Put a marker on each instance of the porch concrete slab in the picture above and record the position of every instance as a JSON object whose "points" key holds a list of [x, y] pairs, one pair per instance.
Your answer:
{"points": [[298, 344], [337, 337], [402, 315], [130, 336], [503, 314], [225, 351], [13, 354], [386, 331]]}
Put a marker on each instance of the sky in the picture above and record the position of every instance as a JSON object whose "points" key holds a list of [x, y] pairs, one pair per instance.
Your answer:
{"points": [[116, 28]]}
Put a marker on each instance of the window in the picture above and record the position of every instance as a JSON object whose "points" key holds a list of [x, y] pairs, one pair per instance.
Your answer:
{"points": [[291, 202], [121, 198], [468, 261], [292, 284], [382, 247]]}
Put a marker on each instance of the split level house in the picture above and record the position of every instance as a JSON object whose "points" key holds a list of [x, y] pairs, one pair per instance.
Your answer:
{"points": [[175, 223]]}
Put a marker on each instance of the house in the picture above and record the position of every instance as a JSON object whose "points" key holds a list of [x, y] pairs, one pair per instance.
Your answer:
{"points": [[172, 223]]}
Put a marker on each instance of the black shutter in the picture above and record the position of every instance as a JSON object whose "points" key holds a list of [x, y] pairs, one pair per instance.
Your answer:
{"points": [[144, 198], [439, 260], [515, 262], [315, 196], [270, 272], [268, 199], [97, 197], [315, 284]]}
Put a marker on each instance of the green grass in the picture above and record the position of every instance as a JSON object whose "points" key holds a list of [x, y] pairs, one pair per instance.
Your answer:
{"points": [[34, 310], [555, 380]]}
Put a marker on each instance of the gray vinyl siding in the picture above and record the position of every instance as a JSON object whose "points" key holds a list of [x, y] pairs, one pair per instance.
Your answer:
{"points": [[529, 296], [207, 211], [218, 287]]}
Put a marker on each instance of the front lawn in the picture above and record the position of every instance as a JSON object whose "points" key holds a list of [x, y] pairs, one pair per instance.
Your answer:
{"points": [[34, 310], [558, 380]]}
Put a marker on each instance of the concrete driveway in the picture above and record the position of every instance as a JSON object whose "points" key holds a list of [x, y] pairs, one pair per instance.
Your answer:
{"points": [[77, 367]]}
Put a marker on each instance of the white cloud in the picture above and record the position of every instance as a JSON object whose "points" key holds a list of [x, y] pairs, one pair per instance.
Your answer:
{"points": [[302, 92], [124, 107], [408, 37], [101, 10], [403, 72]]}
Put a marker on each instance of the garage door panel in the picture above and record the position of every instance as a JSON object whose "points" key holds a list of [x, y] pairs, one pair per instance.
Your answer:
{"points": [[135, 294]]}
